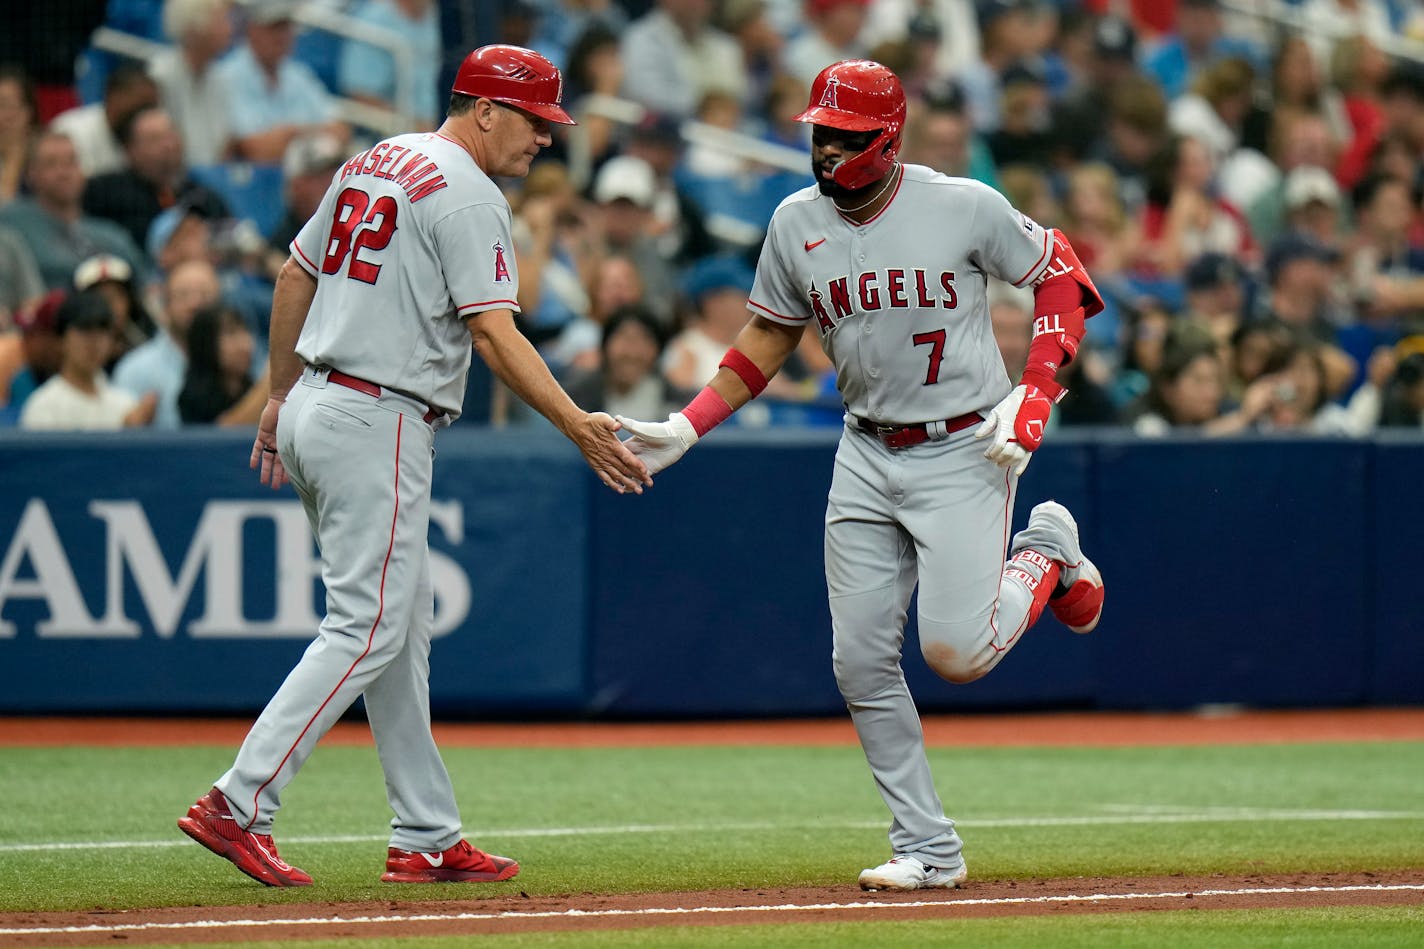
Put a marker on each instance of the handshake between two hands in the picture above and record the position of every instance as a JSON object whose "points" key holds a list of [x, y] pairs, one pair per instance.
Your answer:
{"points": [[1015, 428], [659, 444]]}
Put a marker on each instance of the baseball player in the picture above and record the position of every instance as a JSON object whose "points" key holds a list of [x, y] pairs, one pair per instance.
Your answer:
{"points": [[408, 259], [888, 263]]}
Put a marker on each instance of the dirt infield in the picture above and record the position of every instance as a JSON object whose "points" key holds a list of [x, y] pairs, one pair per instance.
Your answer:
{"points": [[504, 913], [518, 914]]}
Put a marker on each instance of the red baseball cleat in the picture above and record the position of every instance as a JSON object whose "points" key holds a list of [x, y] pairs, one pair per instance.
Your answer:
{"points": [[462, 863], [211, 824]]}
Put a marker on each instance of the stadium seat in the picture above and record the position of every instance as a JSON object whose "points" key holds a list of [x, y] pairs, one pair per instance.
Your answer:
{"points": [[252, 191], [321, 51], [91, 68], [143, 18], [738, 208], [139, 17], [737, 197]]}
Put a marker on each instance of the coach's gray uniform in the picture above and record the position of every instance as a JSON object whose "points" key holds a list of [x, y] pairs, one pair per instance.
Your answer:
{"points": [[900, 303], [410, 239]]}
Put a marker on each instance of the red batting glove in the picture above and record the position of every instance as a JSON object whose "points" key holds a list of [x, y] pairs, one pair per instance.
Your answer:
{"points": [[1032, 417]]}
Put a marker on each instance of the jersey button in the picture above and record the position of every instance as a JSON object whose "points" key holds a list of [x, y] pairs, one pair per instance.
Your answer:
{"points": [[861, 258], [874, 373]]}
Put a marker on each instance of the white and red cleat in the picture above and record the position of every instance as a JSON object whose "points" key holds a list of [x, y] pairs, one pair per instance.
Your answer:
{"points": [[906, 872], [1081, 605], [461, 863], [1078, 600]]}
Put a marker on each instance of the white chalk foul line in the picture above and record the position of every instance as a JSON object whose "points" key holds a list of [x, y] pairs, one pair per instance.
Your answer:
{"points": [[1207, 816], [700, 910]]}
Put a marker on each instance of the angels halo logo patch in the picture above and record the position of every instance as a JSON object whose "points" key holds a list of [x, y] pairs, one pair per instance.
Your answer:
{"points": [[501, 269]]}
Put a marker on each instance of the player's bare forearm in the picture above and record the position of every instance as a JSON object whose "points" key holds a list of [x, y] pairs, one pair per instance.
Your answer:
{"points": [[516, 363], [290, 301], [766, 344], [756, 355]]}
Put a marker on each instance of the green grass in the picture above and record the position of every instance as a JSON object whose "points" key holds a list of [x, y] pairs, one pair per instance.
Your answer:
{"points": [[693, 818]]}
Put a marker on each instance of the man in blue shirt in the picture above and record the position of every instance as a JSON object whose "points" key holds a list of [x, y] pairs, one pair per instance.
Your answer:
{"points": [[161, 364], [371, 73], [274, 98]]}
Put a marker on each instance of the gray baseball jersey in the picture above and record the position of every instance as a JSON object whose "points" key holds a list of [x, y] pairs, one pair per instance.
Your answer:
{"points": [[411, 238], [900, 301], [901, 307], [454, 257]]}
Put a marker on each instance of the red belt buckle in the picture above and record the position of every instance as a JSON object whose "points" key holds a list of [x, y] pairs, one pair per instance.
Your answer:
{"points": [[904, 437], [895, 436]]}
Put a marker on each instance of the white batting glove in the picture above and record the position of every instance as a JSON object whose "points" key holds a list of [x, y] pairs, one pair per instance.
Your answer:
{"points": [[659, 444], [1015, 427]]}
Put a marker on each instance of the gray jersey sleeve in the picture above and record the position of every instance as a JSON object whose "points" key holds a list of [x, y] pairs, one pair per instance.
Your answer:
{"points": [[774, 292], [309, 246], [476, 250], [1013, 246]]}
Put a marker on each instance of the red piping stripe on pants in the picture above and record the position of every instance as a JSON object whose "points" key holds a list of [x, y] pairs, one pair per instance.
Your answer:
{"points": [[370, 637], [998, 592]]}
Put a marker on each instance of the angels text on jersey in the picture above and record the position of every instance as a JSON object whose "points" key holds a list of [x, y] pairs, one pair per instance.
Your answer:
{"points": [[893, 288]]}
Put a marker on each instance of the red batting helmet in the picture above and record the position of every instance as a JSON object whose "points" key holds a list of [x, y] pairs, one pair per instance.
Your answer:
{"points": [[515, 76], [858, 95]]}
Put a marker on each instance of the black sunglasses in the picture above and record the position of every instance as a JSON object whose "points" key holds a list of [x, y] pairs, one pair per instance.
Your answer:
{"points": [[823, 136]]}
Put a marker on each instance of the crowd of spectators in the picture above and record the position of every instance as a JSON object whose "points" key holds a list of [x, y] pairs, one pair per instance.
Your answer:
{"points": [[1246, 196]]}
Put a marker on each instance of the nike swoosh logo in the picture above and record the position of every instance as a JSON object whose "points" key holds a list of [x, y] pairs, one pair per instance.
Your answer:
{"points": [[812, 245], [434, 859]]}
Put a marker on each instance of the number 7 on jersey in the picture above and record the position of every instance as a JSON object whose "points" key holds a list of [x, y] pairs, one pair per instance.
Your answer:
{"points": [[935, 341]]}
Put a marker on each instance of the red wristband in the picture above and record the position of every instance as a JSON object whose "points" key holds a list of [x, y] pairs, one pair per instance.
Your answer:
{"points": [[752, 377], [706, 411]]}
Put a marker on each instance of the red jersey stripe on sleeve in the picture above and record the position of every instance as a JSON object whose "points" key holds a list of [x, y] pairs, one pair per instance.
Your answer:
{"points": [[1042, 258], [304, 260], [779, 316], [489, 305]]}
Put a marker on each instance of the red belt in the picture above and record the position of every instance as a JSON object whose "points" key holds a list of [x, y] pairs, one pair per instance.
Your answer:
{"points": [[373, 390], [903, 436]]}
